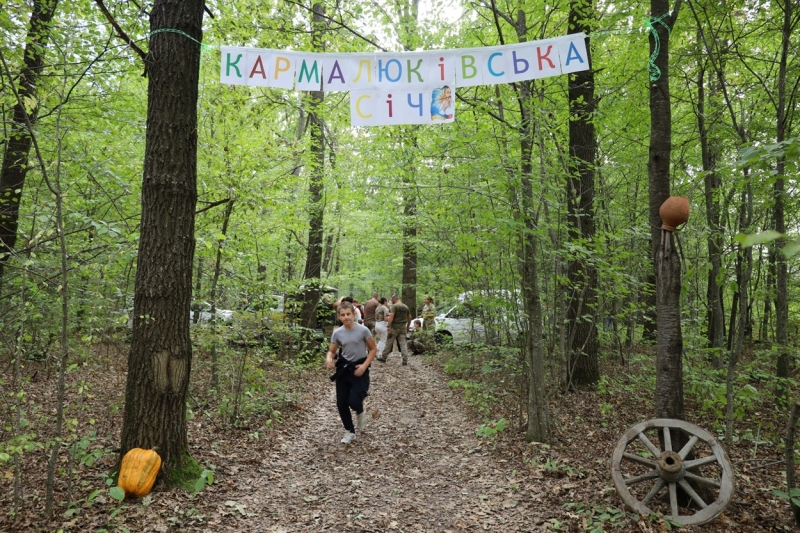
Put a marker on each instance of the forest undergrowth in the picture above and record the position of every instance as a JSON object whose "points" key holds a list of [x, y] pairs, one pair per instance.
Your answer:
{"points": [[263, 404]]}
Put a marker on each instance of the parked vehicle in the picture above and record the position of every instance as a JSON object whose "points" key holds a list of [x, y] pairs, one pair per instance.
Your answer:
{"points": [[204, 314], [460, 324], [224, 316], [467, 320]]}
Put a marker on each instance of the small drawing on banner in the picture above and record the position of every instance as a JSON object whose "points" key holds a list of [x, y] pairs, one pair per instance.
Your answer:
{"points": [[442, 107]]}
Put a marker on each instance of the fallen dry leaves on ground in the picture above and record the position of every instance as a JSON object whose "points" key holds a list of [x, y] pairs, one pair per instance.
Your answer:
{"points": [[417, 466]]}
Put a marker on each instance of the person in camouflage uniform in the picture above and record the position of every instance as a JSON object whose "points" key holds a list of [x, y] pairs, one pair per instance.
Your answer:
{"points": [[429, 322], [397, 323], [417, 340]]}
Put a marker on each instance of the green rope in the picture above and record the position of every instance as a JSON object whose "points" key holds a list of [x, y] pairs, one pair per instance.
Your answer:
{"points": [[179, 32], [655, 72]]}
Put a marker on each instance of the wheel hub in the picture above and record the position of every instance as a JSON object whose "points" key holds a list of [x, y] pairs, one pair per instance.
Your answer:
{"points": [[670, 466]]}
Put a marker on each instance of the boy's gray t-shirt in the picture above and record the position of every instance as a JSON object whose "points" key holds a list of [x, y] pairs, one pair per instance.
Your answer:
{"points": [[353, 341]]}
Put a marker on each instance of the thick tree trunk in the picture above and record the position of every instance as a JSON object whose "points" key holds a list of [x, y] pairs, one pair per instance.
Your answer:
{"points": [[160, 359], [669, 345], [313, 271], [15, 159], [582, 333]]}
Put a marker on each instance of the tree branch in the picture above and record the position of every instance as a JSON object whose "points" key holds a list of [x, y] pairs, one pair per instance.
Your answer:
{"points": [[341, 24], [120, 32], [212, 205]]}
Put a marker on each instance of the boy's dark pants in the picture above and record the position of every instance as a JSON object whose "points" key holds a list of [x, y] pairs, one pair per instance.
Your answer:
{"points": [[350, 391]]}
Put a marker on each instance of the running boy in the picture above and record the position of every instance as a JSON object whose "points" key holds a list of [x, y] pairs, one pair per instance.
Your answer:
{"points": [[352, 368]]}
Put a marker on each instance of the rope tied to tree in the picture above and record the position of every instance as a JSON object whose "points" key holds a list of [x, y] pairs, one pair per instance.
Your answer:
{"points": [[655, 72], [204, 47]]}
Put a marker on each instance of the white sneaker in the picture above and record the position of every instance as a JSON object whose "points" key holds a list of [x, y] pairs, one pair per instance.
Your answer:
{"points": [[361, 419], [348, 437]]}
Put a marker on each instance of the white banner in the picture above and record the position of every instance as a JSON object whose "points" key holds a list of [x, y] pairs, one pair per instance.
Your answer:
{"points": [[403, 87]]}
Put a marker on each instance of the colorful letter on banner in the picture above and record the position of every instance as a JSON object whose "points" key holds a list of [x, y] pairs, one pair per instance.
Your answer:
{"points": [[258, 68], [232, 66], [573, 54], [442, 68], [335, 72], [362, 108], [283, 69], [362, 72], [309, 72]]}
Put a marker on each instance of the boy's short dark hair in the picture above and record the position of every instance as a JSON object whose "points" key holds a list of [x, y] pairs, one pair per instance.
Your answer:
{"points": [[345, 305]]}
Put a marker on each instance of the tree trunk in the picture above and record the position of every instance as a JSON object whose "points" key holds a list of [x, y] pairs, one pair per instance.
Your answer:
{"points": [[669, 345], [15, 159], [781, 298], [313, 271], [161, 350], [584, 370], [226, 217], [789, 453], [538, 429], [744, 269], [409, 17], [716, 324], [409, 288]]}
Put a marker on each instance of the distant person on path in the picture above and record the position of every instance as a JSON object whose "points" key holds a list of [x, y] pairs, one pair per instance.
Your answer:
{"points": [[397, 323], [381, 326], [369, 312], [352, 369]]}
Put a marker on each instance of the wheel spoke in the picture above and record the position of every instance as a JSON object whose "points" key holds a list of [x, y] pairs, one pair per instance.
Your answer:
{"points": [[688, 447], [703, 480], [657, 487], [641, 460], [667, 439], [649, 444], [694, 463], [690, 491], [644, 477], [673, 500]]}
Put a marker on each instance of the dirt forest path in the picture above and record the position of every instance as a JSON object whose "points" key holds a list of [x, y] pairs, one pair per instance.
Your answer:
{"points": [[417, 466]]}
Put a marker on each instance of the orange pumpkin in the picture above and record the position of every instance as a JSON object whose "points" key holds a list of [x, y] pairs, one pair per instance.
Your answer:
{"points": [[138, 472]]}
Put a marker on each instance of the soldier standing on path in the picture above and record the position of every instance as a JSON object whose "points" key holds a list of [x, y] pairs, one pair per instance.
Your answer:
{"points": [[369, 312], [352, 368], [397, 322], [429, 319]]}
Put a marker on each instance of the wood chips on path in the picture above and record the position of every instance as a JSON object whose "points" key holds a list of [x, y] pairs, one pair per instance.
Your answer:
{"points": [[417, 466]]}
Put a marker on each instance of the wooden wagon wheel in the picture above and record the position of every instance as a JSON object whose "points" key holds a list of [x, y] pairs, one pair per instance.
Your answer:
{"points": [[644, 463]]}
